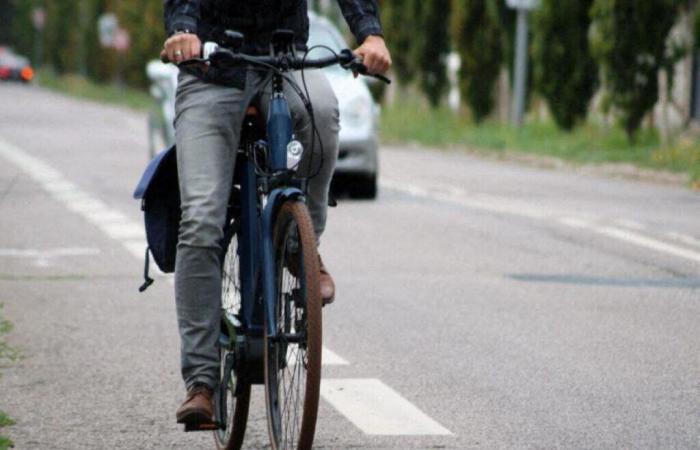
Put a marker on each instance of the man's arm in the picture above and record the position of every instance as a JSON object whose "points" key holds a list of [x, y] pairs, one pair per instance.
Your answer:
{"points": [[180, 15], [181, 19], [363, 18]]}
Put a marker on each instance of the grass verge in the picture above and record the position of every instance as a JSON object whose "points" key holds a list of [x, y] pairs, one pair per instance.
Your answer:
{"points": [[587, 144], [78, 86], [5, 441], [7, 355]]}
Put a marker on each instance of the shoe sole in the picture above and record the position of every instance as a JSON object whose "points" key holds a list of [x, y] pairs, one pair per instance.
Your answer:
{"points": [[195, 416]]}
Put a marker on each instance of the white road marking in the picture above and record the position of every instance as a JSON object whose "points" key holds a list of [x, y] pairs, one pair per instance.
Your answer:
{"points": [[631, 224], [478, 201], [53, 253], [523, 209], [330, 358], [684, 238], [574, 222], [644, 241], [376, 409], [46, 257], [123, 231], [110, 221]]}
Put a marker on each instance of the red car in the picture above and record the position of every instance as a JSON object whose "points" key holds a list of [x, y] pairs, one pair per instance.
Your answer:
{"points": [[14, 67]]}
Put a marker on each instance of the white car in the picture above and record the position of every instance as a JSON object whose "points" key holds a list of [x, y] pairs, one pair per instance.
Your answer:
{"points": [[357, 166]]}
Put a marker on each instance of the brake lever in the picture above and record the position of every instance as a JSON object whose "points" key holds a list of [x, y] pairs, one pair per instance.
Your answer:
{"points": [[362, 70], [357, 66]]}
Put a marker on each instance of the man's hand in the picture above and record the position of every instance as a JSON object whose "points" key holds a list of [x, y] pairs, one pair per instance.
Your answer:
{"points": [[182, 46], [375, 55]]}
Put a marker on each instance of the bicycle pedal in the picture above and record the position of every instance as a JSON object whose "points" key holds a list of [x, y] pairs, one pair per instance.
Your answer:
{"points": [[205, 426]]}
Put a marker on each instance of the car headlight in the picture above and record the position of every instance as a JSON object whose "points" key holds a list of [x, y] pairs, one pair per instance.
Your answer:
{"points": [[357, 112]]}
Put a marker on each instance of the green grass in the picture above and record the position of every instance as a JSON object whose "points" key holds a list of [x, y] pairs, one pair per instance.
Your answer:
{"points": [[6, 353], [78, 86], [5, 441], [587, 144]]}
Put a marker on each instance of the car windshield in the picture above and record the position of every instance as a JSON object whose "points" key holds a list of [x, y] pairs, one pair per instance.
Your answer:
{"points": [[321, 34]]}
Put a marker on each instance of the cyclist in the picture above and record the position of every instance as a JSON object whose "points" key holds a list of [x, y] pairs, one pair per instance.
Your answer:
{"points": [[210, 107]]}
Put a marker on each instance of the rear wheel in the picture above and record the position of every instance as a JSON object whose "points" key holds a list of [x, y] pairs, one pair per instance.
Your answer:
{"points": [[293, 349], [235, 396]]}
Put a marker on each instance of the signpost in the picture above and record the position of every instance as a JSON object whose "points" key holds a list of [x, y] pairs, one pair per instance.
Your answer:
{"points": [[39, 22], [521, 44], [107, 27]]}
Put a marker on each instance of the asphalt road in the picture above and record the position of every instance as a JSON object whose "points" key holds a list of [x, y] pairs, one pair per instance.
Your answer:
{"points": [[480, 304]]}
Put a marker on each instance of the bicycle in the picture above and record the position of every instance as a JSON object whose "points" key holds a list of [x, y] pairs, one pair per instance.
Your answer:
{"points": [[271, 329]]}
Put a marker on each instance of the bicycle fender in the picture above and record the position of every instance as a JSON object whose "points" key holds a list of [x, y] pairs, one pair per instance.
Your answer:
{"points": [[277, 197]]}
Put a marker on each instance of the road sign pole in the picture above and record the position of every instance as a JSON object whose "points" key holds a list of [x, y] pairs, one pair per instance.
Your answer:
{"points": [[521, 45]]}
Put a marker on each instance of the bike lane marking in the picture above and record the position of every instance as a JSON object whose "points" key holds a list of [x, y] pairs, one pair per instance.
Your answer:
{"points": [[502, 205], [377, 409], [47, 257]]}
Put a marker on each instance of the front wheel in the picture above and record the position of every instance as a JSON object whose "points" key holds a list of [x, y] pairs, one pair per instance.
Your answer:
{"points": [[293, 348], [234, 393]]}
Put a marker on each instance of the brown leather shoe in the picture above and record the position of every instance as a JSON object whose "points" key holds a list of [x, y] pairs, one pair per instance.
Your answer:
{"points": [[327, 284], [197, 407]]}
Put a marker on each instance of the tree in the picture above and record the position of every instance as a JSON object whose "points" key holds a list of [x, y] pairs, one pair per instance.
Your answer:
{"points": [[431, 46], [63, 35], [630, 42], [22, 31], [565, 73], [399, 18], [143, 20], [6, 13], [476, 33]]}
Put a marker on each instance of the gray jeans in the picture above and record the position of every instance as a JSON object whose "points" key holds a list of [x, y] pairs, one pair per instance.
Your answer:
{"points": [[207, 131]]}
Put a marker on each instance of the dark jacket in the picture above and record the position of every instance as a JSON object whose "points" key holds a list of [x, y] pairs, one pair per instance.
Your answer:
{"points": [[258, 19]]}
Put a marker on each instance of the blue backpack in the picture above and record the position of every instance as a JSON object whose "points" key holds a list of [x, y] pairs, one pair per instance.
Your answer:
{"points": [[159, 193]]}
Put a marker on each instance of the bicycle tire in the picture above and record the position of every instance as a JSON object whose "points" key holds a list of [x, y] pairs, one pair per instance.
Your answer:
{"points": [[298, 312], [237, 405]]}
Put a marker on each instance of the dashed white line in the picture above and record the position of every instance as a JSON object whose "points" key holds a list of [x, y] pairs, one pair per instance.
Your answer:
{"points": [[631, 224], [48, 253], [376, 409], [684, 238], [110, 221], [574, 222], [328, 358], [653, 244], [478, 201], [523, 209]]}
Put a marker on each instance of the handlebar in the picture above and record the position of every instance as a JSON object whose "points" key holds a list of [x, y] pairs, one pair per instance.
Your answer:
{"points": [[221, 56]]}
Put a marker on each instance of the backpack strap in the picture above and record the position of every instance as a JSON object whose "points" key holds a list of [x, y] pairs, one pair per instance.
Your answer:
{"points": [[147, 279]]}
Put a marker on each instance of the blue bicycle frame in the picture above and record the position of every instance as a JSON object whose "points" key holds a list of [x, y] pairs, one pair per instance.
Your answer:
{"points": [[255, 247]]}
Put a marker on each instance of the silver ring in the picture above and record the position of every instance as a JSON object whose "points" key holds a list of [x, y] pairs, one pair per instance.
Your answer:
{"points": [[178, 53]]}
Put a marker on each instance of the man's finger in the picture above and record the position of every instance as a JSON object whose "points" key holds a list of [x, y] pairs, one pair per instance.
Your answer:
{"points": [[195, 49]]}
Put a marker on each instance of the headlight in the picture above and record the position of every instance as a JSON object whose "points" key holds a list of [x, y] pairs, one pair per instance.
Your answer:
{"points": [[357, 112]]}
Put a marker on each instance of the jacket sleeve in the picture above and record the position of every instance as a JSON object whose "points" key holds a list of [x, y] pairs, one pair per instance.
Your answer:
{"points": [[181, 15], [362, 16]]}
